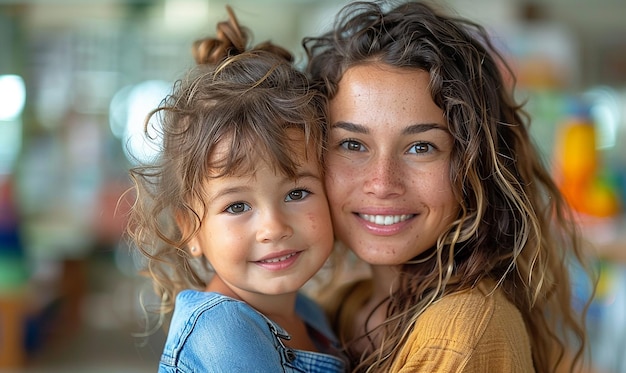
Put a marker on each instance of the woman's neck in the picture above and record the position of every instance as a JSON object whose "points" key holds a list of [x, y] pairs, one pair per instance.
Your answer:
{"points": [[384, 281], [374, 311]]}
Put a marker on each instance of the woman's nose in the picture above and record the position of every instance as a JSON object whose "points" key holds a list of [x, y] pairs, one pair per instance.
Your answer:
{"points": [[384, 177], [273, 226]]}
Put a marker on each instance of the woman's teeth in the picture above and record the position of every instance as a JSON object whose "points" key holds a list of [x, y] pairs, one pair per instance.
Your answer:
{"points": [[385, 219]]}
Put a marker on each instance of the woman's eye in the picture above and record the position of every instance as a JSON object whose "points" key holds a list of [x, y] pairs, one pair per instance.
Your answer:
{"points": [[421, 147], [237, 208], [296, 195], [353, 146]]}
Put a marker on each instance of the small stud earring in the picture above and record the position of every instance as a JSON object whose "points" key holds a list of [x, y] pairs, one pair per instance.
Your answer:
{"points": [[193, 249]]}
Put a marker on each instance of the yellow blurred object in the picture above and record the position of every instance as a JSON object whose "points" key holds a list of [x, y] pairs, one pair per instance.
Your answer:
{"points": [[579, 158], [577, 164], [601, 200]]}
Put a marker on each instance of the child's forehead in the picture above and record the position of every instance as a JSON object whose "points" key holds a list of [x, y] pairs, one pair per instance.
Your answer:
{"points": [[233, 157], [292, 140]]}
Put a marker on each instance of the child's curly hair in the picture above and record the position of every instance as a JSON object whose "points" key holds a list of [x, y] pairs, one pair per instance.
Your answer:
{"points": [[247, 97]]}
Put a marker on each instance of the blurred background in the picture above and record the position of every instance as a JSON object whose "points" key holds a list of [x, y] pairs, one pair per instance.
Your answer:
{"points": [[78, 76]]}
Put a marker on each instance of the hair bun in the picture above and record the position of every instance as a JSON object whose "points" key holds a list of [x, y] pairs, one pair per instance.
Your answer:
{"points": [[276, 50], [231, 39]]}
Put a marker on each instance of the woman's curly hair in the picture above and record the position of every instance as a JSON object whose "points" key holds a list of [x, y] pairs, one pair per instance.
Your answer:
{"points": [[514, 226]]}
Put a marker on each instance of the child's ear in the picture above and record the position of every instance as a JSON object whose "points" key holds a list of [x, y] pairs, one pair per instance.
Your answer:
{"points": [[193, 245]]}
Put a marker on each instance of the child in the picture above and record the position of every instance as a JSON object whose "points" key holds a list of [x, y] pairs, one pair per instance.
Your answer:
{"points": [[239, 182]]}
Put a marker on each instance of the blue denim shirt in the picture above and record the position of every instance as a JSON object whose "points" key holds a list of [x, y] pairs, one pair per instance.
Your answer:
{"points": [[210, 332]]}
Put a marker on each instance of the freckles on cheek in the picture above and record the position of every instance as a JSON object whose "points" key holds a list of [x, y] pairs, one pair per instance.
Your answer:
{"points": [[312, 221]]}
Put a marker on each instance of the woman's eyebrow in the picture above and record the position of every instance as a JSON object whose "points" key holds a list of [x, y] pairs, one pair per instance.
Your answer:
{"points": [[351, 127], [412, 129], [422, 127]]}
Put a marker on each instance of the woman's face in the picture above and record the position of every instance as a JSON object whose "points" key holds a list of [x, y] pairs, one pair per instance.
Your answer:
{"points": [[388, 164]]}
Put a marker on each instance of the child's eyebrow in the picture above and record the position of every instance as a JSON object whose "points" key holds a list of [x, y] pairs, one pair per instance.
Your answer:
{"points": [[302, 174], [232, 190], [305, 174]]}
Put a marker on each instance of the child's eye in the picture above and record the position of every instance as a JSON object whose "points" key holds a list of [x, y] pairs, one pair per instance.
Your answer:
{"points": [[237, 208], [296, 195], [352, 145]]}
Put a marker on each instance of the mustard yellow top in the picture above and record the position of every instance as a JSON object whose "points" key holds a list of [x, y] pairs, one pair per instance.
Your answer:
{"points": [[474, 331], [477, 330]]}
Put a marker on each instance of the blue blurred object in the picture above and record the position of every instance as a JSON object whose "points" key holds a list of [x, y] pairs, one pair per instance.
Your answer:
{"points": [[605, 316], [13, 272]]}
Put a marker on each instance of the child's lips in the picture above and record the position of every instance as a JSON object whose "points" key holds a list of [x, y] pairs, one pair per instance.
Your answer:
{"points": [[276, 259], [278, 262]]}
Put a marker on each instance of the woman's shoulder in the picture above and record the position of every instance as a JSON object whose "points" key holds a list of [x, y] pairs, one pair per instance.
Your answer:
{"points": [[475, 328], [471, 314]]}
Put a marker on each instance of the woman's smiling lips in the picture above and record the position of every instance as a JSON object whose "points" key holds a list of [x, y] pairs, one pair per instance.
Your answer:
{"points": [[384, 224], [385, 219]]}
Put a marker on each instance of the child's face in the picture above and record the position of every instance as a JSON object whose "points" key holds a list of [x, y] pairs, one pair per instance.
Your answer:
{"points": [[265, 233]]}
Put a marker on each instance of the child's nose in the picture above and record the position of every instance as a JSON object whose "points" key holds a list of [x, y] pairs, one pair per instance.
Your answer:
{"points": [[273, 226]]}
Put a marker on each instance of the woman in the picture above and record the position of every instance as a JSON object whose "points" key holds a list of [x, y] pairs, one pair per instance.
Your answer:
{"points": [[434, 181]]}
